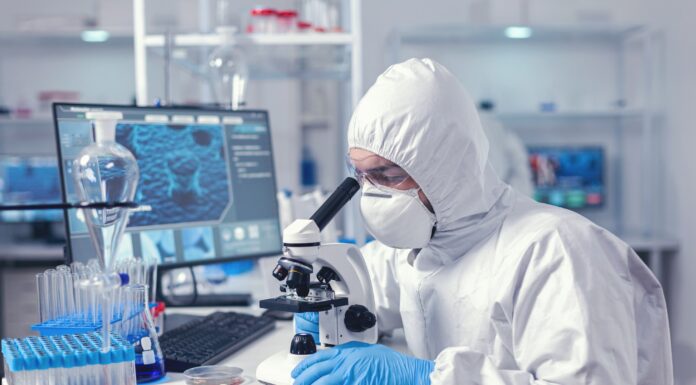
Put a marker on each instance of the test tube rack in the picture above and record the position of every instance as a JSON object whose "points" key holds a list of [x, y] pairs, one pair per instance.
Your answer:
{"points": [[68, 359]]}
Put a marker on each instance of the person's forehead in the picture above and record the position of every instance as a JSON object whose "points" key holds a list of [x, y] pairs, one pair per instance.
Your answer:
{"points": [[365, 160]]}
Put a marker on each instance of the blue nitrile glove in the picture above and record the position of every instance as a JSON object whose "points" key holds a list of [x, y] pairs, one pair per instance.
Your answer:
{"points": [[364, 364], [308, 323]]}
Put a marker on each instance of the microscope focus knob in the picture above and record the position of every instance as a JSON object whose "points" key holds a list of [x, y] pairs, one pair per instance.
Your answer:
{"points": [[303, 344], [358, 319]]}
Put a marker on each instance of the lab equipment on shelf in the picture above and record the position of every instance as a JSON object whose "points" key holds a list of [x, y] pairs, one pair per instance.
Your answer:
{"points": [[263, 20], [105, 171], [286, 21], [208, 340], [69, 359], [322, 15]]}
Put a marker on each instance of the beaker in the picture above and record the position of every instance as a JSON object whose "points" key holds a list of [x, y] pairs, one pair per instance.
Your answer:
{"points": [[139, 329]]}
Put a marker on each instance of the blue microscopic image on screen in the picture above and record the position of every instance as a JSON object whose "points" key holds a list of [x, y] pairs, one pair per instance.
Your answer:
{"points": [[183, 172], [198, 243], [159, 243]]}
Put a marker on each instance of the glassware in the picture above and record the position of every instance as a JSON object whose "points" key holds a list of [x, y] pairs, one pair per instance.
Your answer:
{"points": [[228, 63], [138, 328], [226, 16], [286, 21], [105, 171], [215, 375]]}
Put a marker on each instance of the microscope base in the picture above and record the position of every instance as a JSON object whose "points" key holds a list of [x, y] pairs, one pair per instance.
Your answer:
{"points": [[276, 369]]}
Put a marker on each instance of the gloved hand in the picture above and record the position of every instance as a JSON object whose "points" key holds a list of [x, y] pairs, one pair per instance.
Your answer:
{"points": [[364, 364], [308, 323]]}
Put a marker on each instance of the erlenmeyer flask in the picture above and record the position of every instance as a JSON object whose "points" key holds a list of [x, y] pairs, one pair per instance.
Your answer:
{"points": [[105, 171], [138, 328]]}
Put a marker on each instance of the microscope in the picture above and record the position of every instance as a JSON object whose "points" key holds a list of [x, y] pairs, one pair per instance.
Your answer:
{"points": [[342, 293]]}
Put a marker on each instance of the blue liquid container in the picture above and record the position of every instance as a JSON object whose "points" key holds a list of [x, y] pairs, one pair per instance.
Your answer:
{"points": [[138, 328]]}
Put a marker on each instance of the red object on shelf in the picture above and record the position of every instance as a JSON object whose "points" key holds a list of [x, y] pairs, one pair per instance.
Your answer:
{"points": [[263, 12], [287, 13], [304, 26]]}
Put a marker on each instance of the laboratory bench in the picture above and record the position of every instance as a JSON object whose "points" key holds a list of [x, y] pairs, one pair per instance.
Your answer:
{"points": [[249, 357]]}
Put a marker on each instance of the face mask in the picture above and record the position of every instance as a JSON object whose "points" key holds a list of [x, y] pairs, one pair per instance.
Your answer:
{"points": [[396, 218]]}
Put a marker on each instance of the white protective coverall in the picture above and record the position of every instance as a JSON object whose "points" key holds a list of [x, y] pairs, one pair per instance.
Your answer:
{"points": [[508, 155], [508, 291]]}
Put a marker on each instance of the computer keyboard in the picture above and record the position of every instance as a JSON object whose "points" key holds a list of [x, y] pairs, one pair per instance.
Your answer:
{"points": [[210, 339]]}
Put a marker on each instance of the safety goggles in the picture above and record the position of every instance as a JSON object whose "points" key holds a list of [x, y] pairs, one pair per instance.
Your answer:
{"points": [[387, 175]]}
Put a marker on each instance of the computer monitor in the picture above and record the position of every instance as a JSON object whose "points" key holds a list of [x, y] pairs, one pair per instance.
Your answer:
{"points": [[29, 180], [571, 177], [207, 189]]}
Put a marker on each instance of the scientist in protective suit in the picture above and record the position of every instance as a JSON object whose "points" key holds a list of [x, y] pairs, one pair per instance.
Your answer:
{"points": [[490, 287]]}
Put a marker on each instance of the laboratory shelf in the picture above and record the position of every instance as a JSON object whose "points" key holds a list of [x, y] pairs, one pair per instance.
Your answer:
{"points": [[570, 114], [214, 40], [641, 243], [38, 121], [459, 33], [69, 37]]}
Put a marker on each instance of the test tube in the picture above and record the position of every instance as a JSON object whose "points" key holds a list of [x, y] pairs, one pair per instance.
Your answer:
{"points": [[80, 305], [51, 293], [58, 291], [106, 320], [68, 291], [41, 299]]}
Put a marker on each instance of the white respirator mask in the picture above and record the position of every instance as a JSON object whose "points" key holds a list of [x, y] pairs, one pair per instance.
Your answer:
{"points": [[397, 218]]}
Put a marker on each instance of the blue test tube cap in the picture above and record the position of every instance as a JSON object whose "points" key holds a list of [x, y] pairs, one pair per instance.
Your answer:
{"points": [[53, 357], [40, 354], [12, 355], [28, 359]]}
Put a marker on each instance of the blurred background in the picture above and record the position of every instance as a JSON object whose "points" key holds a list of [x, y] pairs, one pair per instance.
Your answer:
{"points": [[586, 105]]}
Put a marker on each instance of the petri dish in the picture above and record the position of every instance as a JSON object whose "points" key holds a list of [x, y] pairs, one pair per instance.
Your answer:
{"points": [[214, 375]]}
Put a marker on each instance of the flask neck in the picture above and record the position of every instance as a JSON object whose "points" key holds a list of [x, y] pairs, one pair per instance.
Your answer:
{"points": [[104, 131]]}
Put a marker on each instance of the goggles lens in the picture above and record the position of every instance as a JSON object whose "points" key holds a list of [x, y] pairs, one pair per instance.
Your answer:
{"points": [[388, 174]]}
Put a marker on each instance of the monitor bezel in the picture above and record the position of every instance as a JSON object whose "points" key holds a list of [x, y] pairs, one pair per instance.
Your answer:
{"points": [[602, 149], [68, 240]]}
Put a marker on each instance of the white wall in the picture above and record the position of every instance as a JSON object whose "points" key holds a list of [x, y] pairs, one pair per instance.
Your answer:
{"points": [[676, 17]]}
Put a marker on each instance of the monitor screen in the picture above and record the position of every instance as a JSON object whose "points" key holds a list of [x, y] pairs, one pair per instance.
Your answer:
{"points": [[207, 190], [28, 180], [571, 177]]}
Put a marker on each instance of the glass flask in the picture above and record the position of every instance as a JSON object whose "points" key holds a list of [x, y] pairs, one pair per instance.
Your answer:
{"points": [[105, 171], [229, 66], [139, 329]]}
